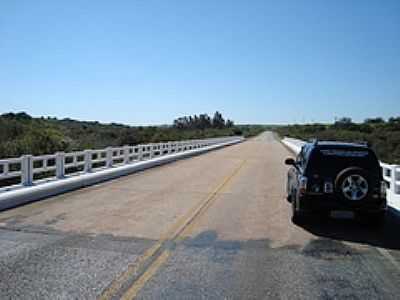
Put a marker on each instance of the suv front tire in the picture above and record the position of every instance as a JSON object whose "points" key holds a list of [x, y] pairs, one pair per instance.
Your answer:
{"points": [[297, 216]]}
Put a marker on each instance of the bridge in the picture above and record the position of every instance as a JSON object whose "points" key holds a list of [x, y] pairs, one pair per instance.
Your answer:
{"points": [[180, 225]]}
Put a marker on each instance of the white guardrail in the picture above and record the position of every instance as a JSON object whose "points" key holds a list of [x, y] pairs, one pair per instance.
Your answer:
{"points": [[391, 174], [35, 177]]}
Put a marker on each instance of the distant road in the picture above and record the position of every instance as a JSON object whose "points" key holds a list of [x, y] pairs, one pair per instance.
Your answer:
{"points": [[216, 226]]}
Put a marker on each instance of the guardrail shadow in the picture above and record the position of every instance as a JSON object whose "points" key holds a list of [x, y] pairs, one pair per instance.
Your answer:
{"points": [[386, 236]]}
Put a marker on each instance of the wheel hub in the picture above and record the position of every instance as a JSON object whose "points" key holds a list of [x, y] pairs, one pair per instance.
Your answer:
{"points": [[355, 187]]}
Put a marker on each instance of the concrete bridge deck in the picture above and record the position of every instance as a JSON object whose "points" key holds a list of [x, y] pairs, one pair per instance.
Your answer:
{"points": [[213, 226]]}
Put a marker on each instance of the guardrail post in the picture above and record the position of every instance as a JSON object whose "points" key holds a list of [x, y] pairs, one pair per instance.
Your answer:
{"points": [[393, 180], [162, 149], [151, 151], [88, 161], [27, 170], [140, 152], [109, 157], [169, 147], [60, 163], [127, 150], [164, 146]]}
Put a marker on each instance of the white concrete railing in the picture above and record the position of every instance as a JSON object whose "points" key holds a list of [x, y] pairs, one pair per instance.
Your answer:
{"points": [[95, 166], [391, 174], [61, 165]]}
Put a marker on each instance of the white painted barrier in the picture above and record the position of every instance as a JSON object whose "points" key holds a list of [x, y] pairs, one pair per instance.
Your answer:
{"points": [[391, 174], [293, 144], [117, 162]]}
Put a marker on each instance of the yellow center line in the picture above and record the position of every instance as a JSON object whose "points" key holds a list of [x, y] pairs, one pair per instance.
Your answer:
{"points": [[150, 272], [206, 204], [182, 227], [132, 292], [189, 228], [117, 284]]}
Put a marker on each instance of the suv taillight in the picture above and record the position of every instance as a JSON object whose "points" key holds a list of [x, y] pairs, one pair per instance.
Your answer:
{"points": [[383, 189], [328, 187], [303, 185]]}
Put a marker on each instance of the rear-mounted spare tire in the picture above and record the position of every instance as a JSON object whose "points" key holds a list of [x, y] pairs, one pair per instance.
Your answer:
{"points": [[353, 184]]}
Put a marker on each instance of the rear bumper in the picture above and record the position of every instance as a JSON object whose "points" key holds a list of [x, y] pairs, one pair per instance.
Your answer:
{"points": [[324, 203]]}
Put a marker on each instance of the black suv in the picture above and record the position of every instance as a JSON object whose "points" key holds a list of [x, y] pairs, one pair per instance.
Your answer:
{"points": [[328, 177]]}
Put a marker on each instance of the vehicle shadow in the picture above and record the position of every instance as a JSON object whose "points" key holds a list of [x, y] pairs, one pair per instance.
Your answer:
{"points": [[386, 236]]}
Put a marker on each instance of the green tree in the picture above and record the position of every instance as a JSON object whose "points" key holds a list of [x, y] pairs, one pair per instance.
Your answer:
{"points": [[218, 121]]}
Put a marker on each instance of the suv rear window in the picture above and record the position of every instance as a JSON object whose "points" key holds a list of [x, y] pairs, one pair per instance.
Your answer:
{"points": [[344, 153], [330, 161]]}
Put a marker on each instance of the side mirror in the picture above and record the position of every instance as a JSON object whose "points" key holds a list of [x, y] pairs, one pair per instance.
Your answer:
{"points": [[290, 161]]}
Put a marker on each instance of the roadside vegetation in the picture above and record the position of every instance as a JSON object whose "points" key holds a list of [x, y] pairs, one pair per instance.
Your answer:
{"points": [[382, 135], [22, 134]]}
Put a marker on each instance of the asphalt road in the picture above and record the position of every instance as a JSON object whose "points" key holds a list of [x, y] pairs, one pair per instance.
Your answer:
{"points": [[216, 226]]}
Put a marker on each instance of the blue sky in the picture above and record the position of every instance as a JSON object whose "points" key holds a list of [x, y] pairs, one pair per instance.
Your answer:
{"points": [[147, 62]]}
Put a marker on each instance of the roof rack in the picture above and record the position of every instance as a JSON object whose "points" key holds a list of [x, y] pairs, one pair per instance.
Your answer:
{"points": [[364, 143]]}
